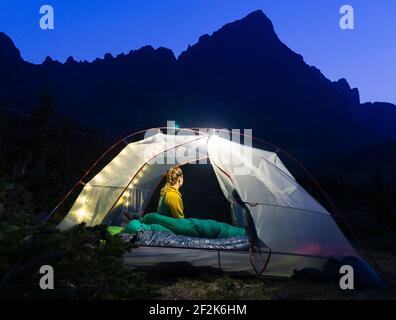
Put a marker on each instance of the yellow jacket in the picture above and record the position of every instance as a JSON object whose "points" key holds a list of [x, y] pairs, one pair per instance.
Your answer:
{"points": [[171, 203]]}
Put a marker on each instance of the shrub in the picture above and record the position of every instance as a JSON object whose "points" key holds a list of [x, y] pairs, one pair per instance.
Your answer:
{"points": [[87, 264]]}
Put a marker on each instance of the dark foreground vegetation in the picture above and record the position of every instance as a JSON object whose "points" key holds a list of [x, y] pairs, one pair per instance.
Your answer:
{"points": [[42, 156], [88, 265]]}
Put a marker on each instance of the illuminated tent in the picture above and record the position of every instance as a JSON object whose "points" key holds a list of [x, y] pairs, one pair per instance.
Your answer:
{"points": [[288, 228]]}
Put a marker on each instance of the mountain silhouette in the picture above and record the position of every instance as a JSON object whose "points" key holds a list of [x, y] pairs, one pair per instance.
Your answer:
{"points": [[8, 49], [241, 76]]}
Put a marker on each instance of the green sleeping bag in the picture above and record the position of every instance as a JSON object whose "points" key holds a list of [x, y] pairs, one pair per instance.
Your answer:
{"points": [[212, 229], [200, 228], [182, 227], [135, 226]]}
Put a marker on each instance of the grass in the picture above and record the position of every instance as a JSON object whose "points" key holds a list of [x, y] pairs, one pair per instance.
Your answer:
{"points": [[210, 286], [231, 288]]}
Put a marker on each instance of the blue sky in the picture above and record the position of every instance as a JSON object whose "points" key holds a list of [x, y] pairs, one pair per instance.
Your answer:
{"points": [[365, 56]]}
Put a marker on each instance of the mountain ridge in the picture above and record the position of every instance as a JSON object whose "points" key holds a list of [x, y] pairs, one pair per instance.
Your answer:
{"points": [[240, 76]]}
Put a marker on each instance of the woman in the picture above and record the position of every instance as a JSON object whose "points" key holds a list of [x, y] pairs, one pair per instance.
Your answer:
{"points": [[170, 216], [170, 202]]}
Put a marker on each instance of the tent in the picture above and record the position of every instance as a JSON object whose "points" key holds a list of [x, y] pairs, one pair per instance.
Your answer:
{"points": [[289, 231]]}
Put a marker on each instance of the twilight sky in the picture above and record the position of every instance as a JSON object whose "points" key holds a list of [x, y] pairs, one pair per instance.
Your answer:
{"points": [[86, 29]]}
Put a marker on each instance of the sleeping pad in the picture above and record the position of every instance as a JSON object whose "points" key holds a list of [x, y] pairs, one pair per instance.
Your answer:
{"points": [[199, 228]]}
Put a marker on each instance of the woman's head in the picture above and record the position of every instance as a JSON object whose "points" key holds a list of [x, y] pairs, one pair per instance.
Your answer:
{"points": [[174, 177]]}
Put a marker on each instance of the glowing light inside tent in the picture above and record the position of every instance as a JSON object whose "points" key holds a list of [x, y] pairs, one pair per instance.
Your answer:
{"points": [[123, 152], [82, 199], [138, 176], [107, 169], [81, 215], [99, 178], [126, 197], [82, 212]]}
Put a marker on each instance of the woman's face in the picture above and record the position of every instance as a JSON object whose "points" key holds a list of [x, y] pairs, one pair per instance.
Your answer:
{"points": [[180, 181]]}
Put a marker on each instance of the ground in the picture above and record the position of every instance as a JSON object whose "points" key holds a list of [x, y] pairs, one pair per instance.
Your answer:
{"points": [[212, 286]]}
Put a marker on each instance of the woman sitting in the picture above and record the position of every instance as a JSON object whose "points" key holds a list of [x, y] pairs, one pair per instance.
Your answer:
{"points": [[170, 202], [170, 216]]}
